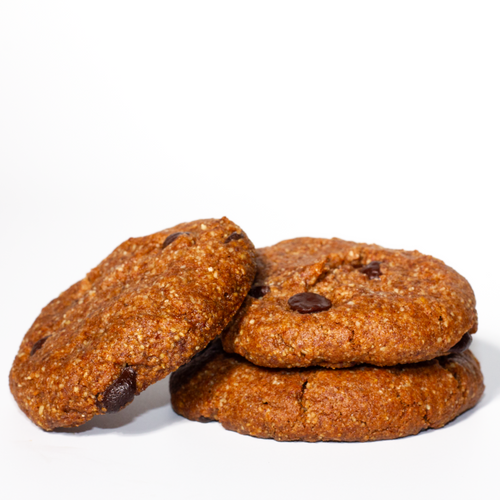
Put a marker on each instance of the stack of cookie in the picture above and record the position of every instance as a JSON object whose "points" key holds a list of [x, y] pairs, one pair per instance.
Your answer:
{"points": [[311, 339], [339, 341]]}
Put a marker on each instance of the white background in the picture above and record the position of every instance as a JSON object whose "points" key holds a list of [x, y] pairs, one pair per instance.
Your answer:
{"points": [[371, 121]]}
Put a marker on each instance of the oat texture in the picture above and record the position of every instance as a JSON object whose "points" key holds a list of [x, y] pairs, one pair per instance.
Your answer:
{"points": [[414, 309], [140, 314], [363, 403]]}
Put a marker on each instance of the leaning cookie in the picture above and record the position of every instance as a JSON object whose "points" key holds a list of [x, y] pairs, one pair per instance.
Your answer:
{"points": [[144, 311], [335, 303], [364, 403]]}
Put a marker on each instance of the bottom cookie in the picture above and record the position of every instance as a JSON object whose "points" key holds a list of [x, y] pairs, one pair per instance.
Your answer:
{"points": [[364, 403]]}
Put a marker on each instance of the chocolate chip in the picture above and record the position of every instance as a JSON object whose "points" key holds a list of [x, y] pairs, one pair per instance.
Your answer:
{"points": [[462, 345], [171, 239], [233, 237], [372, 270], [38, 344], [309, 303], [121, 391], [259, 291]]}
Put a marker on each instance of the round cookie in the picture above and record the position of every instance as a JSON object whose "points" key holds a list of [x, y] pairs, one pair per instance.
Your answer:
{"points": [[140, 314], [334, 303], [363, 403]]}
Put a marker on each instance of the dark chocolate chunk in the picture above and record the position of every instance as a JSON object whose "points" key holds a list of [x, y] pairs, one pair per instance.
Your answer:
{"points": [[259, 291], [309, 303], [121, 391], [233, 237], [372, 270], [38, 344], [462, 345], [171, 239]]}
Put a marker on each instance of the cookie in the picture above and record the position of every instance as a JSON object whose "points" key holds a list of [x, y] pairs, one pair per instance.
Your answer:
{"points": [[140, 314], [363, 403], [335, 303]]}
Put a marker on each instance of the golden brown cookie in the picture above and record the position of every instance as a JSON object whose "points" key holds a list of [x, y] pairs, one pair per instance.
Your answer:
{"points": [[363, 403], [335, 303], [140, 314]]}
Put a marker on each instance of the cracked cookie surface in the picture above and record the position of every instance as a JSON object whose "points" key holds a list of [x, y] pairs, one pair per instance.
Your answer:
{"points": [[149, 307], [334, 303], [363, 403]]}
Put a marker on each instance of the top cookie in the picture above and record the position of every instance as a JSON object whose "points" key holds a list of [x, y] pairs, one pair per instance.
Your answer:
{"points": [[335, 303], [139, 315]]}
